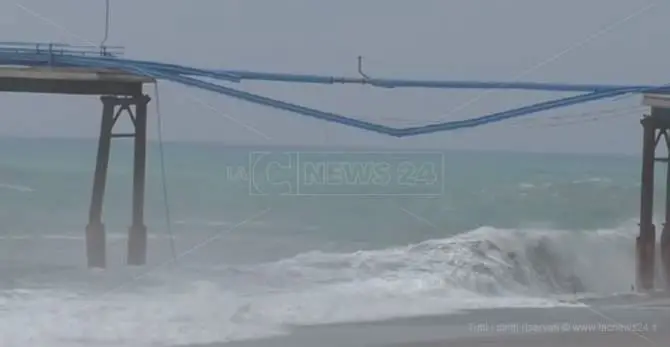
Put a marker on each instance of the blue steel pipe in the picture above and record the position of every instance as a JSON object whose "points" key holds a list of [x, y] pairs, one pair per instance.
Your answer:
{"points": [[8, 57], [185, 75], [397, 132], [399, 83], [238, 75]]}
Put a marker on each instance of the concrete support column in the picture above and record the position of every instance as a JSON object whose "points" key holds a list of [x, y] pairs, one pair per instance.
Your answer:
{"points": [[95, 230], [137, 234], [665, 234], [646, 240]]}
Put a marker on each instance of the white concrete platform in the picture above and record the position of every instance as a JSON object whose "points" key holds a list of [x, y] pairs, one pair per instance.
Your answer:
{"points": [[71, 74], [55, 80], [656, 100]]}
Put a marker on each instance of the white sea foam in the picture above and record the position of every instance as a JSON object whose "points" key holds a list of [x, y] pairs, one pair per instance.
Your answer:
{"points": [[601, 180], [16, 187], [484, 268]]}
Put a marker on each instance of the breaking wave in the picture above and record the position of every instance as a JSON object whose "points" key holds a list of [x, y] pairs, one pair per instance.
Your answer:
{"points": [[483, 268]]}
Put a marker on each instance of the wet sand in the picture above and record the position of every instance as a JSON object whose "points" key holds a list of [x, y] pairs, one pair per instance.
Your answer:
{"points": [[622, 321], [553, 340]]}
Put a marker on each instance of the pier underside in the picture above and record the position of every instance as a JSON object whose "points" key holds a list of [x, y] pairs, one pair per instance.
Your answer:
{"points": [[655, 126], [121, 93]]}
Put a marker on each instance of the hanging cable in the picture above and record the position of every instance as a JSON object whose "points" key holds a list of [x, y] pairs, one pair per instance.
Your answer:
{"points": [[102, 44], [586, 118], [159, 127], [558, 118]]}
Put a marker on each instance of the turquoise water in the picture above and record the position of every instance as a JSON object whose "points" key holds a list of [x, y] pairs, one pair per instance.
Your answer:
{"points": [[53, 178], [261, 244]]}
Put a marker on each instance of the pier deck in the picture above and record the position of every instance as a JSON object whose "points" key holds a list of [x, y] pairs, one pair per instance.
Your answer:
{"points": [[79, 81]]}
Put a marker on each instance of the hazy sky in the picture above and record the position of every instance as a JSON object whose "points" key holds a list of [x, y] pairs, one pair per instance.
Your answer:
{"points": [[539, 40]]}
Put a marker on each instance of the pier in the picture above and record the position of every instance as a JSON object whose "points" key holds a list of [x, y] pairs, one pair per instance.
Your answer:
{"points": [[655, 127], [121, 93], [63, 69]]}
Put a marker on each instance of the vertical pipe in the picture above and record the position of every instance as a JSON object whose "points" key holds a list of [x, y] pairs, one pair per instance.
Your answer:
{"points": [[95, 230], [646, 239], [137, 235], [104, 39]]}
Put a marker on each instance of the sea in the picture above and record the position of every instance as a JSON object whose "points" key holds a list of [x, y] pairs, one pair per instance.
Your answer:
{"points": [[247, 242]]}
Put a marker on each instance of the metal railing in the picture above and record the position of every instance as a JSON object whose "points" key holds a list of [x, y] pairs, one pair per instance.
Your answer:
{"points": [[60, 49]]}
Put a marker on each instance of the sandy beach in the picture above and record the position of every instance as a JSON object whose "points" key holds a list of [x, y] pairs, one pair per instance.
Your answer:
{"points": [[554, 340], [623, 321]]}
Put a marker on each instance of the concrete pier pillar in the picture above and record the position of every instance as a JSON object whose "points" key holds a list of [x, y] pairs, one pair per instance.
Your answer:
{"points": [[665, 234], [95, 230], [647, 238], [665, 254], [137, 234]]}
